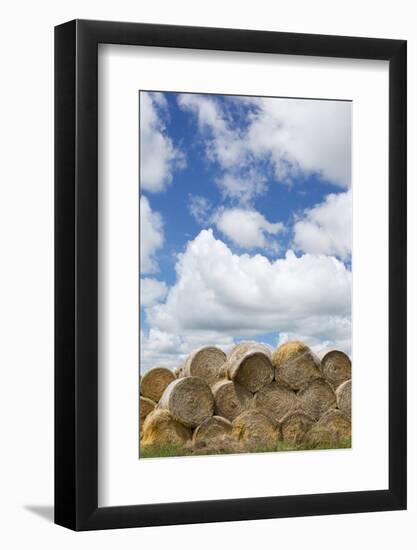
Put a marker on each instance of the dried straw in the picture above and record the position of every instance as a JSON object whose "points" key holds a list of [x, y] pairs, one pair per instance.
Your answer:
{"points": [[252, 370], [146, 406], [155, 381], [344, 398], [230, 399], [332, 429], [275, 401], [316, 398], [295, 427], [254, 429], [295, 365], [160, 428], [189, 400], [336, 366], [205, 363], [212, 431], [337, 422]]}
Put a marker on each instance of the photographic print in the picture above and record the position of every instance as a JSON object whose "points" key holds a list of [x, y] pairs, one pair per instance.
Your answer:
{"points": [[245, 274]]}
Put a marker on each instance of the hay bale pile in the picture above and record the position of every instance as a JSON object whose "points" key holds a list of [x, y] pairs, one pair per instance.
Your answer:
{"points": [[251, 399]]}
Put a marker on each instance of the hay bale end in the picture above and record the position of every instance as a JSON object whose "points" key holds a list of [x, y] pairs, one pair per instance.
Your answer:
{"points": [[154, 382], [189, 400]]}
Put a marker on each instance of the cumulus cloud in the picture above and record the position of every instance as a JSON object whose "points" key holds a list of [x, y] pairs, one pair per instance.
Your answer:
{"points": [[220, 296], [152, 291], [327, 227], [151, 236], [293, 137], [248, 228], [159, 158]]}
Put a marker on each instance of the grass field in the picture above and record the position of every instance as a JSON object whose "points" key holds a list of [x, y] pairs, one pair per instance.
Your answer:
{"points": [[180, 450]]}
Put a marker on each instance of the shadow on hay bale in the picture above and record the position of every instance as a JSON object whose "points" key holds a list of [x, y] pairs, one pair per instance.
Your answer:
{"points": [[154, 382], [189, 400], [344, 398], [335, 365], [316, 398], [295, 427], [252, 369], [230, 399], [160, 428], [295, 365], [254, 429], [205, 363], [275, 401]]}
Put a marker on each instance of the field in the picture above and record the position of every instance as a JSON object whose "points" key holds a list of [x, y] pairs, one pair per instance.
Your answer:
{"points": [[172, 450]]}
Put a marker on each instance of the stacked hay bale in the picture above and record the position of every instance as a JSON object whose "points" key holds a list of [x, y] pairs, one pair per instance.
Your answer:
{"points": [[250, 366], [230, 399], [335, 366], [205, 363], [295, 365], [248, 400]]}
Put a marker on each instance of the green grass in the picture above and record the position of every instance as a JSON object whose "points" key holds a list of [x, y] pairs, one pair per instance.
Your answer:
{"points": [[179, 450]]}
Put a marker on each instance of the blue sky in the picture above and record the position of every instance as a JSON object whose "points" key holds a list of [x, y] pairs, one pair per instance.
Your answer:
{"points": [[235, 190]]}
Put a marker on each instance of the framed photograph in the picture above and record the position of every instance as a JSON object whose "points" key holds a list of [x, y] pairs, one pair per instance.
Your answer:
{"points": [[230, 275]]}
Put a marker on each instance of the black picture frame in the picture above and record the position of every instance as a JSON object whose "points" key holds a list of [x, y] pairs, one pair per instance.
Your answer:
{"points": [[76, 272]]}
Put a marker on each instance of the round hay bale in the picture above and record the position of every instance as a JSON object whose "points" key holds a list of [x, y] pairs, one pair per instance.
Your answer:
{"points": [[189, 400], [344, 398], [295, 365], [316, 398], [254, 429], [160, 428], [275, 401], [146, 406], [230, 399], [252, 370], [205, 363], [240, 349], [336, 421], [336, 366], [295, 426], [155, 381], [213, 430]]}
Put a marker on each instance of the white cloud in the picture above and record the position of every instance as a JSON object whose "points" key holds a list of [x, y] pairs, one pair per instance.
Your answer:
{"points": [[248, 228], [219, 296], [327, 228], [242, 188], [222, 142], [307, 136], [200, 208], [151, 236], [152, 291], [296, 137], [158, 155]]}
